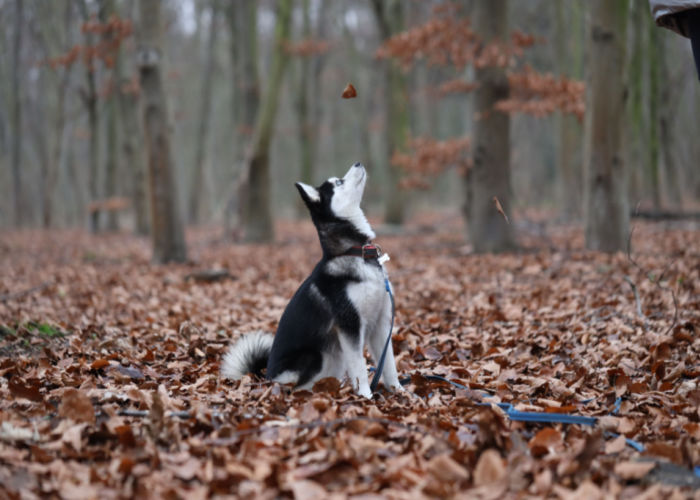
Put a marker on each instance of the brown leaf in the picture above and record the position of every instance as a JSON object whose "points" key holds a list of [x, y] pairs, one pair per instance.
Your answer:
{"points": [[444, 468], [28, 389], [500, 209], [77, 406], [305, 489], [349, 91], [615, 445], [99, 363], [489, 468], [544, 440], [665, 450], [633, 470]]}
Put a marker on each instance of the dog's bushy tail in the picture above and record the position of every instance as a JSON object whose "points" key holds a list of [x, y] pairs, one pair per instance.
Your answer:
{"points": [[248, 355]]}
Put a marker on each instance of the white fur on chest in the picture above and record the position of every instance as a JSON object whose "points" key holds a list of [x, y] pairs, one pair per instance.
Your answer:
{"points": [[369, 295]]}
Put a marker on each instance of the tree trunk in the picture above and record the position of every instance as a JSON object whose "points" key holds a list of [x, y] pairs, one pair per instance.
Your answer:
{"points": [[490, 174], [669, 96], [16, 147], [607, 213], [302, 103], [258, 225], [652, 141], [242, 19], [90, 100], [107, 9], [569, 129], [196, 192], [390, 17], [134, 154], [167, 231]]}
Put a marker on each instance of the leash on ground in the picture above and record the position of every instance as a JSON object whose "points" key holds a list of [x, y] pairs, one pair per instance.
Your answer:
{"points": [[508, 408]]}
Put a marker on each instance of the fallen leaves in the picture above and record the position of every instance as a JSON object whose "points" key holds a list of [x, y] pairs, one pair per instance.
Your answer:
{"points": [[110, 386], [77, 406]]}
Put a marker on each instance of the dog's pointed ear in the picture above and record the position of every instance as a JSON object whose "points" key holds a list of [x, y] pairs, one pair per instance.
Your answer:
{"points": [[309, 194]]}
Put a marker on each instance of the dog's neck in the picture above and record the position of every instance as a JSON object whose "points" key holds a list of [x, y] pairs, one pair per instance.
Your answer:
{"points": [[341, 235]]}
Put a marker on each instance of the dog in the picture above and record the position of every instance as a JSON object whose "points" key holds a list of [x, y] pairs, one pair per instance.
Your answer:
{"points": [[343, 305]]}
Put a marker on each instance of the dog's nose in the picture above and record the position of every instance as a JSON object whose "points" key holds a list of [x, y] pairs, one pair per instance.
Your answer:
{"points": [[358, 164]]}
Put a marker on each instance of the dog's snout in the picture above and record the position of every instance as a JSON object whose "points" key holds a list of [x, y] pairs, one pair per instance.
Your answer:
{"points": [[358, 164]]}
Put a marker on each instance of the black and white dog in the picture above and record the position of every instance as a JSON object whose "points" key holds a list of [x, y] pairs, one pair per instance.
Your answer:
{"points": [[341, 307]]}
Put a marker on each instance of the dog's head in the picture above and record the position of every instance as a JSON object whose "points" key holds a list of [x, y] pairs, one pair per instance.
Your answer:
{"points": [[335, 210]]}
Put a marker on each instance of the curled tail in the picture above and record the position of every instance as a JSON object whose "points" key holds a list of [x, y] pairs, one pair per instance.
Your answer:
{"points": [[248, 355]]}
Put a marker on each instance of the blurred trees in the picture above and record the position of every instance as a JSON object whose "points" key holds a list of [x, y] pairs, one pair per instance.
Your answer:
{"points": [[72, 133], [166, 229], [197, 179], [607, 208], [16, 116], [257, 211], [390, 19], [489, 175]]}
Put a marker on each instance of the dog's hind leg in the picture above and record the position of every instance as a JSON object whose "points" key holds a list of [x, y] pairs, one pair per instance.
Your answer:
{"points": [[354, 362]]}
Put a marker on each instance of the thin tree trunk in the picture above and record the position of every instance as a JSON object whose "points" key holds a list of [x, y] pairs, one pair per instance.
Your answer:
{"points": [[196, 191], [652, 141], [258, 214], [167, 230], [634, 136], [669, 96], [607, 213], [16, 146], [242, 19], [390, 17], [303, 112], [569, 128], [302, 102], [134, 154], [107, 9], [90, 99], [490, 174]]}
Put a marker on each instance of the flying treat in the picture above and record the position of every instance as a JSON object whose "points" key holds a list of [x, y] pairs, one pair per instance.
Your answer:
{"points": [[349, 92]]}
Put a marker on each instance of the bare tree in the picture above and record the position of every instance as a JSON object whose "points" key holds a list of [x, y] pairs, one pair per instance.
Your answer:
{"points": [[16, 117], [490, 174], [198, 166], [166, 224], [568, 47], [108, 8], [605, 195], [390, 18], [257, 215], [245, 96]]}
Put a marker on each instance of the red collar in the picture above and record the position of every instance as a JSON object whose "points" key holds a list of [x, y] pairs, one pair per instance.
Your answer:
{"points": [[368, 251]]}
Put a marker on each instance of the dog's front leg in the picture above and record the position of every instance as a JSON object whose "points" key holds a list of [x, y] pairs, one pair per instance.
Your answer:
{"points": [[376, 340], [354, 362]]}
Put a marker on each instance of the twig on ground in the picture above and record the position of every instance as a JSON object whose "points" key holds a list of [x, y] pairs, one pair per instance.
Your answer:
{"points": [[19, 295], [656, 282], [636, 297]]}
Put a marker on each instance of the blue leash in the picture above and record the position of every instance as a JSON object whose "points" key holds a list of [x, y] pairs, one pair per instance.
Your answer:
{"points": [[508, 408]]}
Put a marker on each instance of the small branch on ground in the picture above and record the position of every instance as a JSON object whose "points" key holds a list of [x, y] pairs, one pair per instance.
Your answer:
{"points": [[656, 282], [18, 295]]}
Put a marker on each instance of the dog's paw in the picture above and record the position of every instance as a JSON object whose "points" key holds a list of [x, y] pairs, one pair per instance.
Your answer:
{"points": [[394, 386], [364, 391]]}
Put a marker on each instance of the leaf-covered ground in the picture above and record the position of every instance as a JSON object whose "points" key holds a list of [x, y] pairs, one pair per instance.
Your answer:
{"points": [[109, 383]]}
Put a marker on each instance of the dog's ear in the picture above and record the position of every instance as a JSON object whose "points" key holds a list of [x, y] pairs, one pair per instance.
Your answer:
{"points": [[309, 194]]}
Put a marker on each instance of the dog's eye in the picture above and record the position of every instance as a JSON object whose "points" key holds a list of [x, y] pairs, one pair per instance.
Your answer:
{"points": [[339, 182]]}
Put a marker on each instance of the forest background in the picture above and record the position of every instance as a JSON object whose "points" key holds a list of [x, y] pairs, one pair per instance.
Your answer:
{"points": [[72, 128]]}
